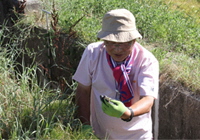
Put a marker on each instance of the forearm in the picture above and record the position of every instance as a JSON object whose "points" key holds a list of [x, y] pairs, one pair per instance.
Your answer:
{"points": [[83, 110], [143, 106], [83, 103]]}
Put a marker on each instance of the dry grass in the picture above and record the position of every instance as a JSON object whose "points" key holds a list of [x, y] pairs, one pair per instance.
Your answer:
{"points": [[182, 69], [190, 7]]}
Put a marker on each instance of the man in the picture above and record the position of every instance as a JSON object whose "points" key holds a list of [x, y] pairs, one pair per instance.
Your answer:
{"points": [[117, 81]]}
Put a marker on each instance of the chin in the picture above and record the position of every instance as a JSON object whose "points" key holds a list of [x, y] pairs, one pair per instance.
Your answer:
{"points": [[118, 60]]}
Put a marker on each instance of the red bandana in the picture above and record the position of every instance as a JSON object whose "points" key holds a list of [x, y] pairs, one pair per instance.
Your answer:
{"points": [[120, 73]]}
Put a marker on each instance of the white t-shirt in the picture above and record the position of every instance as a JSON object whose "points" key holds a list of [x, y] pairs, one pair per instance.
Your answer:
{"points": [[94, 70]]}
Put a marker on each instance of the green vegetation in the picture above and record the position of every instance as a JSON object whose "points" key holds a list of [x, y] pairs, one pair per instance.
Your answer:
{"points": [[189, 7], [155, 21], [171, 31], [28, 110]]}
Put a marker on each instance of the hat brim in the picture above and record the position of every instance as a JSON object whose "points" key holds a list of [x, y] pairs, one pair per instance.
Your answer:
{"points": [[119, 36]]}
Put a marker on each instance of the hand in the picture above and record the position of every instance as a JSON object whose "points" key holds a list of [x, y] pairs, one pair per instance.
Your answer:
{"points": [[113, 108]]}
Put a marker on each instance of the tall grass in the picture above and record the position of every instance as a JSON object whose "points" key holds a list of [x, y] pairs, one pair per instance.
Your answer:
{"points": [[27, 110]]}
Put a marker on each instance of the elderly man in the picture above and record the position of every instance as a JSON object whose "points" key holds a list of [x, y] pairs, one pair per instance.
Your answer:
{"points": [[117, 81]]}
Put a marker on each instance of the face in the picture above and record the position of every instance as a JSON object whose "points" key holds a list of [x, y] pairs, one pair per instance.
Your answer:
{"points": [[119, 51]]}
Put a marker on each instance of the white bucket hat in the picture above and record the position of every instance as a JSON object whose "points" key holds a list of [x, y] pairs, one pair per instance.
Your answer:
{"points": [[118, 26]]}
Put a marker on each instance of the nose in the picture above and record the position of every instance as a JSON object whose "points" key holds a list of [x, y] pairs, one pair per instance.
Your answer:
{"points": [[117, 48]]}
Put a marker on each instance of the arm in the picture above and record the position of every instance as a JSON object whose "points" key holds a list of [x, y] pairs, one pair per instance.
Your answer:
{"points": [[142, 106], [148, 77], [83, 102]]}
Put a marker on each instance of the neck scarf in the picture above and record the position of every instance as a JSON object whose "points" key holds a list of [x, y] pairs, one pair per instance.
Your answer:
{"points": [[120, 73]]}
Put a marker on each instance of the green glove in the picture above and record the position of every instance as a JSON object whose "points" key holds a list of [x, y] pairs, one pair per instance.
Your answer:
{"points": [[113, 108]]}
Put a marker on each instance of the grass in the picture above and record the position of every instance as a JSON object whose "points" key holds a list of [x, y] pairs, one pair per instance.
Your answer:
{"points": [[28, 110], [189, 7], [35, 112], [180, 68], [171, 29], [155, 21]]}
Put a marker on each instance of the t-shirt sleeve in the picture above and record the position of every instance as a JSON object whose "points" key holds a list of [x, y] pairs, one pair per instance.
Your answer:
{"points": [[83, 73], [149, 78]]}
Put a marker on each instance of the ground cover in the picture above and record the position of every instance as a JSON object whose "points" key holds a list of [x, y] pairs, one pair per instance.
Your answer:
{"points": [[189, 7]]}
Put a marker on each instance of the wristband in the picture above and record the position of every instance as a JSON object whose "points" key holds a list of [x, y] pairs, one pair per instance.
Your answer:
{"points": [[130, 118]]}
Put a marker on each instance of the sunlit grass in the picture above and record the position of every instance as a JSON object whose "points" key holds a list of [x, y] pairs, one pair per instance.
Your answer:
{"points": [[189, 7], [182, 69]]}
